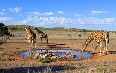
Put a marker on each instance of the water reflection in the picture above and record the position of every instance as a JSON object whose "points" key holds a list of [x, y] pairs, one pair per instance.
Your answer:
{"points": [[61, 53]]}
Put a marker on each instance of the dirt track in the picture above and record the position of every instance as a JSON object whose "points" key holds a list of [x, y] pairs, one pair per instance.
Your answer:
{"points": [[14, 47]]}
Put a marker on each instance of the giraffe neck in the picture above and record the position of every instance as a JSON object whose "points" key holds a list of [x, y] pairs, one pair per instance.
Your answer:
{"points": [[86, 43], [29, 31], [38, 31]]}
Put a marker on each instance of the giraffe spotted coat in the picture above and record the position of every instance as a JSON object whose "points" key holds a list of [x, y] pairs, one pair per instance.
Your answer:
{"points": [[98, 36]]}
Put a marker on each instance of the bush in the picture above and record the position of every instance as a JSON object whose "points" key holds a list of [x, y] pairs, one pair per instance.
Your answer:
{"points": [[112, 52], [79, 35], [2, 53], [3, 30], [44, 60], [1, 41], [16, 28]]}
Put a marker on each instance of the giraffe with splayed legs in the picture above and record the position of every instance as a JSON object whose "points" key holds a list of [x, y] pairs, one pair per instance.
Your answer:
{"points": [[98, 36], [41, 35]]}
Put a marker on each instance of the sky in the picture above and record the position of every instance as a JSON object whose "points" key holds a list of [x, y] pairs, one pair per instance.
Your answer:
{"points": [[85, 14]]}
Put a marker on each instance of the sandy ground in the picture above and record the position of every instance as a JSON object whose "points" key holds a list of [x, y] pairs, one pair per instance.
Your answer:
{"points": [[14, 47]]}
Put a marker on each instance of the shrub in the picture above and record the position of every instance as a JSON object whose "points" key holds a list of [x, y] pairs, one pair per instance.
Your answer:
{"points": [[2, 53], [3, 30], [44, 60], [79, 35], [101, 68], [112, 52], [1, 42], [17, 48]]}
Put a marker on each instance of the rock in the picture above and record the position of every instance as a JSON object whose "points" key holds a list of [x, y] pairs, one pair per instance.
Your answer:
{"points": [[36, 55], [54, 57], [42, 55], [71, 55]]}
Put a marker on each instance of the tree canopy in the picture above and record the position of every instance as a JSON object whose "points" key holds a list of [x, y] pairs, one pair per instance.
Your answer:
{"points": [[3, 30]]}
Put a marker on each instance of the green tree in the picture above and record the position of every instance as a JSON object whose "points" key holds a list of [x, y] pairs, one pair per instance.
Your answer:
{"points": [[3, 30]]}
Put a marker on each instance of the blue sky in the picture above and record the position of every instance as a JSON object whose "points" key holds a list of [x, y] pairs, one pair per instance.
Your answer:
{"points": [[86, 14]]}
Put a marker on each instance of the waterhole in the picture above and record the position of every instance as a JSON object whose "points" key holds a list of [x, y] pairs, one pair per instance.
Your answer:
{"points": [[61, 53]]}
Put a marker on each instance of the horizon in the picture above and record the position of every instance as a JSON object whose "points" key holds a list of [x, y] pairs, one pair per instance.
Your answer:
{"points": [[81, 14], [60, 27]]}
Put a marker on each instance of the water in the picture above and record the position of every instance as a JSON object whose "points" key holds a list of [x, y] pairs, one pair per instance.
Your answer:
{"points": [[50, 69], [61, 53]]}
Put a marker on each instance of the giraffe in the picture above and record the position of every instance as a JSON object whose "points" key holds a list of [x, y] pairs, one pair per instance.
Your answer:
{"points": [[31, 40], [98, 36], [41, 35], [31, 36]]}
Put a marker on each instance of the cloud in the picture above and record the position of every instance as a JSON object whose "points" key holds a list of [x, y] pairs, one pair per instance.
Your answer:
{"points": [[1, 13], [5, 18], [93, 20], [64, 20], [16, 9], [46, 20], [36, 13], [60, 12], [48, 13], [3, 9], [78, 15], [98, 12], [43, 18]]}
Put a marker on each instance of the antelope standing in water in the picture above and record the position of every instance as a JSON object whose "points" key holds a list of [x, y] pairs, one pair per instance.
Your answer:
{"points": [[41, 35], [30, 36], [98, 36]]}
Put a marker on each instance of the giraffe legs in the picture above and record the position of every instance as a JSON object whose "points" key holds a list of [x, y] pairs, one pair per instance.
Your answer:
{"points": [[41, 39], [34, 43], [100, 48], [95, 48], [98, 44], [106, 47], [47, 40]]}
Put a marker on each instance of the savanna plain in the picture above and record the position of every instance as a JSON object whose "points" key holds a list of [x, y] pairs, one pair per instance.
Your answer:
{"points": [[59, 38]]}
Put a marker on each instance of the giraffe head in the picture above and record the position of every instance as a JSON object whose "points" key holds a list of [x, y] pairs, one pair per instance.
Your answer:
{"points": [[27, 28], [36, 28]]}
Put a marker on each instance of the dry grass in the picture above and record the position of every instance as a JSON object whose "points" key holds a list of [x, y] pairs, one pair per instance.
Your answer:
{"points": [[67, 34], [101, 67], [78, 37]]}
